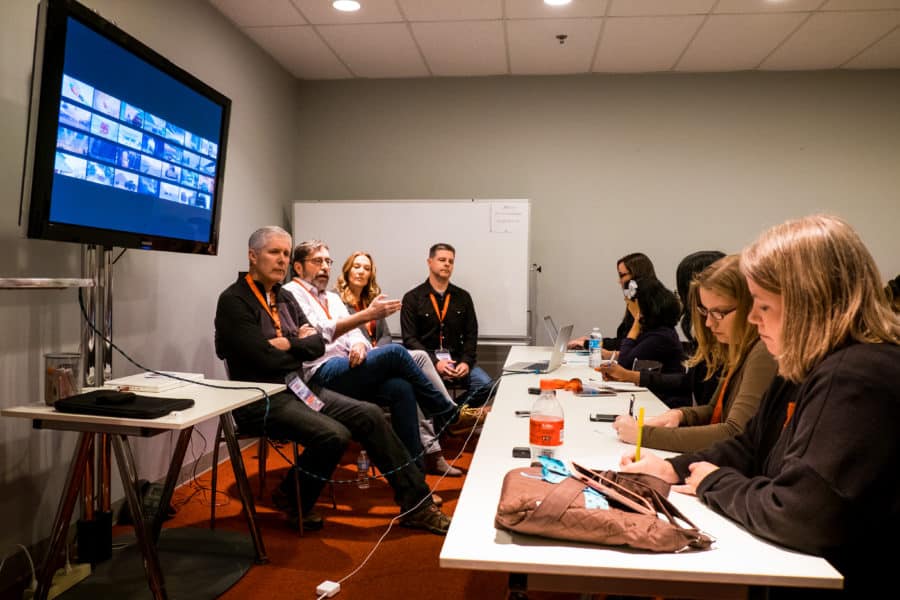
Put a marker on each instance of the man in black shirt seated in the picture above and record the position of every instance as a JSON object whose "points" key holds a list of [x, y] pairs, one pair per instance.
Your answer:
{"points": [[262, 335]]}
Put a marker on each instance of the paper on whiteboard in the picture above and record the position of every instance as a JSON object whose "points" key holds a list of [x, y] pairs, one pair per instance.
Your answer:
{"points": [[507, 217]]}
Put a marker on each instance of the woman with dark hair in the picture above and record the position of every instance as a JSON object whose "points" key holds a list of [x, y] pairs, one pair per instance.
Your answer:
{"points": [[654, 310], [629, 267], [892, 289], [696, 386], [689, 266], [815, 470]]}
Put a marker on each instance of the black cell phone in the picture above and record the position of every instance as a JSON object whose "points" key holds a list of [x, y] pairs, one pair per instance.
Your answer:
{"points": [[599, 417], [521, 452]]}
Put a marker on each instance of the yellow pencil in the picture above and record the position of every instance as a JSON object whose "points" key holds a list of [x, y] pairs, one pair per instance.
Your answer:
{"points": [[640, 425]]}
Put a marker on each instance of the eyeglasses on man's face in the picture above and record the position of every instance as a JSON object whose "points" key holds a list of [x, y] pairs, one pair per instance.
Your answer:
{"points": [[319, 261], [718, 315]]}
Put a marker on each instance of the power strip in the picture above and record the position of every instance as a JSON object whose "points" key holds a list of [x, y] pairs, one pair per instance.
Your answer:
{"points": [[62, 581], [328, 589]]}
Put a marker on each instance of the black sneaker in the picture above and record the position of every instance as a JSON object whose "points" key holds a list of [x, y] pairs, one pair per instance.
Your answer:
{"points": [[429, 518], [283, 501], [312, 521]]}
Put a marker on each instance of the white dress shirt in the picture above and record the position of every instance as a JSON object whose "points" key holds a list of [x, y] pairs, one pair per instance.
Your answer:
{"points": [[312, 302]]}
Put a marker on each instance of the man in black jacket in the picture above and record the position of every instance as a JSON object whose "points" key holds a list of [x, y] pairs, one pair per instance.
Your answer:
{"points": [[439, 317], [262, 335]]}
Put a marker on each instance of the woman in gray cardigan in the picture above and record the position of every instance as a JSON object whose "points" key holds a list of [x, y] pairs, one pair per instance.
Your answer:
{"points": [[719, 301]]}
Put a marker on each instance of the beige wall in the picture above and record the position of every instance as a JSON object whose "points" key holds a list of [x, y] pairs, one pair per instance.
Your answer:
{"points": [[665, 164], [163, 302]]}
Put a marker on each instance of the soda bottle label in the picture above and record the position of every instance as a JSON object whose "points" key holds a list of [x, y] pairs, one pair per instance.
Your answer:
{"points": [[546, 430]]}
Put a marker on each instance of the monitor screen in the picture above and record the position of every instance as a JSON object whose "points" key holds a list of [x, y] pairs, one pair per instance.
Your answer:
{"points": [[126, 148]]}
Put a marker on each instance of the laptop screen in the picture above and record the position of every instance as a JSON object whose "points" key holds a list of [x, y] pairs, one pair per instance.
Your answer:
{"points": [[552, 331]]}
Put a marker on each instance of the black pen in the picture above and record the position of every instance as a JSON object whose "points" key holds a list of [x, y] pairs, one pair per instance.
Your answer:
{"points": [[631, 407], [523, 413]]}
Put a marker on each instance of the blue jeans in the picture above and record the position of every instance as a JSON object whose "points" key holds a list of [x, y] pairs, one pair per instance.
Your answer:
{"points": [[389, 377], [479, 387]]}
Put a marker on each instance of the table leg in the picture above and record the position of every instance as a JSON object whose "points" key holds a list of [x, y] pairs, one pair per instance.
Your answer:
{"points": [[128, 473], [181, 446], [240, 476], [64, 514]]}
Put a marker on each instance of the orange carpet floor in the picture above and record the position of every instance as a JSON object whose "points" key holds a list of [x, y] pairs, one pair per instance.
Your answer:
{"points": [[403, 567]]}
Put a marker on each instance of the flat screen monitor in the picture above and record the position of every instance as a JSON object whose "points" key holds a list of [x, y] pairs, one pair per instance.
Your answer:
{"points": [[124, 147]]}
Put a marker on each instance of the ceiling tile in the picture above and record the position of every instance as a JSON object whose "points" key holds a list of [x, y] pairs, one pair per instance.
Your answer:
{"points": [[376, 51], [885, 54], [828, 40], [320, 12], [534, 49], [536, 9], [462, 48], [737, 42], [860, 4], [299, 50], [644, 44], [643, 8], [759, 6], [456, 10], [260, 12]]}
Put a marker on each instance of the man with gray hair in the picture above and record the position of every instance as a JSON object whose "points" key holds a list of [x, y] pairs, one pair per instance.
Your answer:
{"points": [[262, 335]]}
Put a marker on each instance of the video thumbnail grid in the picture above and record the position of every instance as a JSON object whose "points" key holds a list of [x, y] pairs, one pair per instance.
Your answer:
{"points": [[131, 149]]}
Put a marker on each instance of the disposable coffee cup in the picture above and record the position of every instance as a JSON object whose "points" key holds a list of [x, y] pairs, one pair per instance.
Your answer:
{"points": [[62, 376]]}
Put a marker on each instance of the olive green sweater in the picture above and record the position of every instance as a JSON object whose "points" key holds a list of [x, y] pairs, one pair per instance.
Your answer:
{"points": [[745, 389]]}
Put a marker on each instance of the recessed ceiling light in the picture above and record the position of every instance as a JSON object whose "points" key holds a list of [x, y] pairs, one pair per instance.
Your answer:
{"points": [[346, 5], [556, 2]]}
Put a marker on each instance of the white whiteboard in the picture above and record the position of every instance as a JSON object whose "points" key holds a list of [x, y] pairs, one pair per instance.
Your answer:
{"points": [[490, 237]]}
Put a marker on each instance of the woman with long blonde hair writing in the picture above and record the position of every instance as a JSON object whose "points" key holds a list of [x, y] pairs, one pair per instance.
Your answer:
{"points": [[816, 468]]}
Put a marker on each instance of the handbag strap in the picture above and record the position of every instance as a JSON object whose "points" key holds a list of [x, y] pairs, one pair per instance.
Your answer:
{"points": [[660, 502], [558, 500]]}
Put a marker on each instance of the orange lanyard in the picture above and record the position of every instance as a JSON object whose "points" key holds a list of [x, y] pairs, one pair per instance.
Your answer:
{"points": [[790, 413], [440, 314], [717, 411], [271, 309], [316, 298], [370, 325]]}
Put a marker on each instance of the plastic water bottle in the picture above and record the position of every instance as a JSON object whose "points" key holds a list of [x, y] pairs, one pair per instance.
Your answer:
{"points": [[546, 431], [595, 343], [362, 470]]}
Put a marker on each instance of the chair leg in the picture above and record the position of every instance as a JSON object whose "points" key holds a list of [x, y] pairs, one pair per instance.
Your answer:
{"points": [[261, 454], [215, 476], [296, 477]]}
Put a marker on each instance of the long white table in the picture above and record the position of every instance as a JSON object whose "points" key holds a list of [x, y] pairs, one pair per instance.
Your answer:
{"points": [[208, 403], [737, 564]]}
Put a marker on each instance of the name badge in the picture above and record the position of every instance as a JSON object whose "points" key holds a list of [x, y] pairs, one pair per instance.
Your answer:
{"points": [[442, 355], [296, 385]]}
